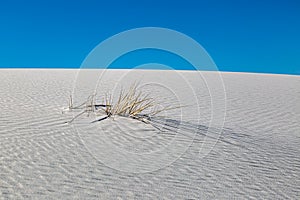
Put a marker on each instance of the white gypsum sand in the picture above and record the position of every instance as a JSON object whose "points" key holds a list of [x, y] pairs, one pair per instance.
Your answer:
{"points": [[257, 154]]}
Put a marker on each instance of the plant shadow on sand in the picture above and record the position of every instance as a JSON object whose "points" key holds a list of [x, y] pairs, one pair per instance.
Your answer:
{"points": [[196, 132], [139, 106], [225, 135]]}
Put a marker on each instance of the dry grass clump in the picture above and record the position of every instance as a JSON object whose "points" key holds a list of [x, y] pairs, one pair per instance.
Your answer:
{"points": [[130, 103]]}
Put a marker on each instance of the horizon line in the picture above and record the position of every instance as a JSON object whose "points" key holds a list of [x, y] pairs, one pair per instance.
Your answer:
{"points": [[190, 70]]}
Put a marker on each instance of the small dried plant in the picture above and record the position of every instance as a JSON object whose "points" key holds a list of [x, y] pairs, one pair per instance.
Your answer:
{"points": [[130, 103]]}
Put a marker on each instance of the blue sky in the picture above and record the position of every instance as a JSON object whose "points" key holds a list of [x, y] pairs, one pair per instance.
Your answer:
{"points": [[241, 35]]}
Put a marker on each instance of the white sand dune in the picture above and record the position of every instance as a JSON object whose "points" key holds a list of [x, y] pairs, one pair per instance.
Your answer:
{"points": [[256, 154]]}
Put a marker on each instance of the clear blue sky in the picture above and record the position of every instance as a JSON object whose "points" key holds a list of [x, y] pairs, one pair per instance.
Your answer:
{"points": [[240, 35]]}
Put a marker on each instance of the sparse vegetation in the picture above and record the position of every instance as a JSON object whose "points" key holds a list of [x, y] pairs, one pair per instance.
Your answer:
{"points": [[130, 103]]}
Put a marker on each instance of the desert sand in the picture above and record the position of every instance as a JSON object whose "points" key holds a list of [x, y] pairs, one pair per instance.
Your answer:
{"points": [[251, 151]]}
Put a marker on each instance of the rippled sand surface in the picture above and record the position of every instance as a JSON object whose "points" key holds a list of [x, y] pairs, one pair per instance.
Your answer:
{"points": [[255, 154]]}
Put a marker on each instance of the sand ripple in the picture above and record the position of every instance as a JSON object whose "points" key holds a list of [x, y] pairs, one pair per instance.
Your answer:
{"points": [[255, 157]]}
